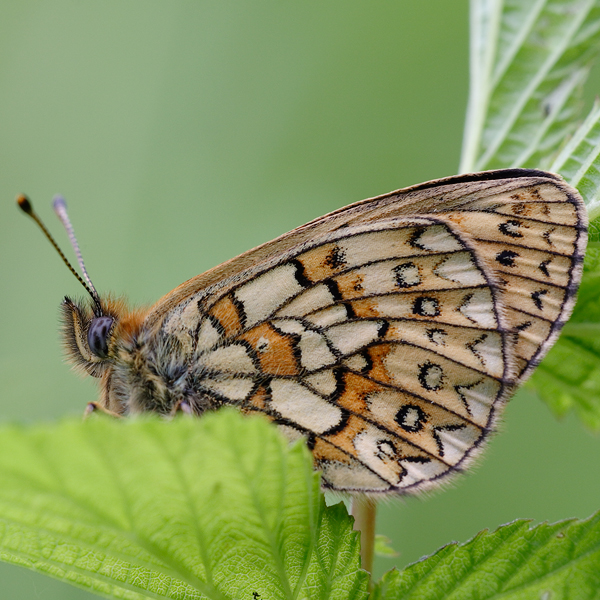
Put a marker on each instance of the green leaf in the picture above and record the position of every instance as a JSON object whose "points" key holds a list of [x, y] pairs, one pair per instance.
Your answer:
{"points": [[569, 376], [579, 162], [529, 61], [515, 562], [219, 507], [383, 547]]}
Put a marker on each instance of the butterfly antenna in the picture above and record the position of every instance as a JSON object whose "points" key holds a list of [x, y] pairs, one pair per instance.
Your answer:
{"points": [[60, 208]]}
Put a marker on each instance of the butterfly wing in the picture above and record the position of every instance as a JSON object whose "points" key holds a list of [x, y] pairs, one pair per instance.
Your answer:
{"points": [[390, 340], [382, 344]]}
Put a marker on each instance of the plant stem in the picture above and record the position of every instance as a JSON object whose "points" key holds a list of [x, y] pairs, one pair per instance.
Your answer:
{"points": [[364, 511]]}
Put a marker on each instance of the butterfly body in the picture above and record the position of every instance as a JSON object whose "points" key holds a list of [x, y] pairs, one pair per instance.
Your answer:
{"points": [[388, 334]]}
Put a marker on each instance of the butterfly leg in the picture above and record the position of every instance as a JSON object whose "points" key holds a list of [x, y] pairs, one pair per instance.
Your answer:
{"points": [[93, 407], [181, 406]]}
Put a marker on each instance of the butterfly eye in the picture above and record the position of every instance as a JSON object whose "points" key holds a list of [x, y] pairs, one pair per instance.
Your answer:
{"points": [[98, 336]]}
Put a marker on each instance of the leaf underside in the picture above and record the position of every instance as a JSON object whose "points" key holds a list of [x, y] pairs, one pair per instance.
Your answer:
{"points": [[529, 62]]}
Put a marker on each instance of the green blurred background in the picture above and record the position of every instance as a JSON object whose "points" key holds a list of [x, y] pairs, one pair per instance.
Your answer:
{"points": [[185, 132]]}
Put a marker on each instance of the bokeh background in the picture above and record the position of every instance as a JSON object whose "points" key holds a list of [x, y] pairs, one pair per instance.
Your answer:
{"points": [[185, 132]]}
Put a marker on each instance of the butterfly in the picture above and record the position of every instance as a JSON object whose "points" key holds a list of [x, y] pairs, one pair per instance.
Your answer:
{"points": [[388, 334]]}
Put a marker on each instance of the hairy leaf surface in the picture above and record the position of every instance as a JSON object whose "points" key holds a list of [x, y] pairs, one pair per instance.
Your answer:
{"points": [[215, 508]]}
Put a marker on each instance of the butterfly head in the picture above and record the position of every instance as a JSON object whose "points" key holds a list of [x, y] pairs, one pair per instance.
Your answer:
{"points": [[88, 338], [95, 331], [95, 342], [91, 339]]}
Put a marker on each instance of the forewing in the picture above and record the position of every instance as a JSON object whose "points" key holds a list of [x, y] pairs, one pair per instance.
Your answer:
{"points": [[437, 197]]}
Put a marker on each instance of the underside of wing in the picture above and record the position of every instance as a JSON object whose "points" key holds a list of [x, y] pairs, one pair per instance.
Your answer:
{"points": [[388, 334], [385, 345], [534, 239]]}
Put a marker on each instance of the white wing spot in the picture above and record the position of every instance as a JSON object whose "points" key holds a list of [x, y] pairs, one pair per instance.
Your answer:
{"points": [[229, 359], [437, 239], [262, 345], [310, 300], [328, 316], [458, 442], [352, 477], [407, 275], [208, 336], [264, 294], [479, 398], [417, 472], [233, 389], [437, 336], [488, 350], [478, 307], [350, 337], [297, 403], [315, 352], [410, 418], [323, 382], [460, 269], [431, 376], [426, 307], [356, 363], [290, 326], [377, 450]]}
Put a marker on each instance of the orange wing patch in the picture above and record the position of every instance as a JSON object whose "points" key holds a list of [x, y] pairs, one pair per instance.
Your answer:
{"points": [[228, 315], [276, 352]]}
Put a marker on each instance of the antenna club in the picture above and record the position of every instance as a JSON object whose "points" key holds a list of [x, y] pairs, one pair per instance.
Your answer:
{"points": [[61, 210], [59, 203], [24, 204]]}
